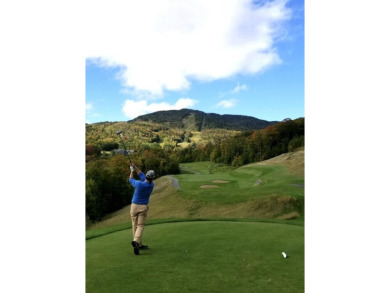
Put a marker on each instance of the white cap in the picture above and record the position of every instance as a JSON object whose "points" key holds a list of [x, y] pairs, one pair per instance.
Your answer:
{"points": [[150, 174]]}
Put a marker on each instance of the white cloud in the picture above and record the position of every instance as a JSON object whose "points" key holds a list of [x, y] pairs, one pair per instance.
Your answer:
{"points": [[133, 109], [238, 88], [90, 110], [88, 106], [164, 44], [227, 103]]}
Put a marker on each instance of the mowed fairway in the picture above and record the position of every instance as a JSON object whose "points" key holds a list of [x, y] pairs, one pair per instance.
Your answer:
{"points": [[199, 256], [209, 182]]}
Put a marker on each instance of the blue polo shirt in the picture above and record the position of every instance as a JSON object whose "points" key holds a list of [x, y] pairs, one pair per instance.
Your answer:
{"points": [[143, 189]]}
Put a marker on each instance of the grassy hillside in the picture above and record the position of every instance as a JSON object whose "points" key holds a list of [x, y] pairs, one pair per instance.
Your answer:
{"points": [[271, 189], [294, 162]]}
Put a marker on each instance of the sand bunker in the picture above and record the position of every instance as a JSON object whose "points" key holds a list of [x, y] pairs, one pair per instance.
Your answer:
{"points": [[220, 181], [208, 186]]}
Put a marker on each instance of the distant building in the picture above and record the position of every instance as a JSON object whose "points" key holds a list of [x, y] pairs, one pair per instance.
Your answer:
{"points": [[122, 152]]}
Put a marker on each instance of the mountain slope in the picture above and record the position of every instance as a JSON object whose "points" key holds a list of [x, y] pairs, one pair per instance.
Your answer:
{"points": [[197, 120]]}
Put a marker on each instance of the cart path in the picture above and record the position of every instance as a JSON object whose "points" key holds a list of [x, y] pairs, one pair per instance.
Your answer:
{"points": [[175, 182]]}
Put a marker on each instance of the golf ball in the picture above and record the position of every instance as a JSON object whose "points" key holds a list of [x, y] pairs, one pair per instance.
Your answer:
{"points": [[284, 254]]}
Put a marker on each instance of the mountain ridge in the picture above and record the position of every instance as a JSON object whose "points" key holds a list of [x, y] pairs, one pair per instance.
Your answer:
{"points": [[198, 120]]}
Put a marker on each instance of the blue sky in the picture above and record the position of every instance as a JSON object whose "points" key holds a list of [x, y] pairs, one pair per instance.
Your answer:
{"points": [[245, 59]]}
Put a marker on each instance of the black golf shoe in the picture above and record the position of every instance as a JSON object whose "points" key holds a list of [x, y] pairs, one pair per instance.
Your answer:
{"points": [[143, 247], [136, 247]]}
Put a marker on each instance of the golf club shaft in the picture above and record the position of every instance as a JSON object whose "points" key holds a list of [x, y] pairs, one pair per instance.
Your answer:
{"points": [[125, 149]]}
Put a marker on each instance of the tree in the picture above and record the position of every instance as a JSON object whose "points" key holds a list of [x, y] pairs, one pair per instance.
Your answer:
{"points": [[296, 142], [92, 195], [92, 152], [109, 146], [107, 186]]}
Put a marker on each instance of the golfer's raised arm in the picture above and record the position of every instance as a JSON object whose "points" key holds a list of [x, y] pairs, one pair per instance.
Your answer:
{"points": [[136, 169]]}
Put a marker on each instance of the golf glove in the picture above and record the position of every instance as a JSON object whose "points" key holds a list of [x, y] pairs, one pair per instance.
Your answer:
{"points": [[131, 168]]}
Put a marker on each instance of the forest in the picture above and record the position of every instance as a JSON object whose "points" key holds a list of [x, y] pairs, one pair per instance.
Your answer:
{"points": [[107, 172]]}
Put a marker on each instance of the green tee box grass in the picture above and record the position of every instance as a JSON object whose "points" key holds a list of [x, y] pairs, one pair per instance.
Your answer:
{"points": [[209, 256]]}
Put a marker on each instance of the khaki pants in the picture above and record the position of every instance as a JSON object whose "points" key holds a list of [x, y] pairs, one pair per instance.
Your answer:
{"points": [[138, 213]]}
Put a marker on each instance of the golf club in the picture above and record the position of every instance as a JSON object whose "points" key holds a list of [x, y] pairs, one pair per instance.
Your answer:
{"points": [[119, 134]]}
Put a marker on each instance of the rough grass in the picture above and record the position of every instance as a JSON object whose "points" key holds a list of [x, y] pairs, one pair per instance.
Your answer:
{"points": [[293, 161]]}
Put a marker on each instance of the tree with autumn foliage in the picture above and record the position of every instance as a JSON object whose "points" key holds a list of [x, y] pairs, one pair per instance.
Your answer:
{"points": [[249, 147], [107, 187]]}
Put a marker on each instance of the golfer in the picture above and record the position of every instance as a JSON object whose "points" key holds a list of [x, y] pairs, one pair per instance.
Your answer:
{"points": [[139, 204]]}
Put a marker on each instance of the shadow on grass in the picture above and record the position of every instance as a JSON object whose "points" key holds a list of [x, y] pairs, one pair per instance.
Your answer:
{"points": [[93, 233]]}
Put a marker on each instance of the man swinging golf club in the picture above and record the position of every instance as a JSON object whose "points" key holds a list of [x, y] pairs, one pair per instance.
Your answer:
{"points": [[139, 204]]}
